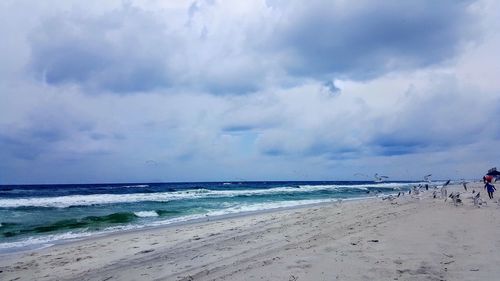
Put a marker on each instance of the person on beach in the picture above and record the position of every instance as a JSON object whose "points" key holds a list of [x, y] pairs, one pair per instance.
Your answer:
{"points": [[490, 188], [487, 179]]}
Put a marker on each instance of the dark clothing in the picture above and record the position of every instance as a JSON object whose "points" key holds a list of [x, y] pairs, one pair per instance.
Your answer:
{"points": [[490, 188]]}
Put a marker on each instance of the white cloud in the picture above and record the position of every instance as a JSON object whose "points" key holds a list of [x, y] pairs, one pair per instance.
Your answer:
{"points": [[176, 105]]}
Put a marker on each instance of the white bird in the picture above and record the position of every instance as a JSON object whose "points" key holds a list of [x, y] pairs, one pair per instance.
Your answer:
{"points": [[455, 197], [390, 198], [427, 178], [444, 193], [477, 200], [416, 190]]}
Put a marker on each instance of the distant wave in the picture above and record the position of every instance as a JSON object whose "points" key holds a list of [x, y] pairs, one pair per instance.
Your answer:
{"points": [[97, 199]]}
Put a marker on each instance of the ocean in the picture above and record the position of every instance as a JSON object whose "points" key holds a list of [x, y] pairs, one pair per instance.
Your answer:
{"points": [[36, 216]]}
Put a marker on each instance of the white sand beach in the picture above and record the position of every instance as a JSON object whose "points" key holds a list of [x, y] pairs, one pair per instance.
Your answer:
{"points": [[409, 238]]}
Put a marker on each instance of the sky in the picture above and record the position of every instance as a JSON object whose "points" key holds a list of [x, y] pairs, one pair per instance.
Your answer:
{"points": [[213, 90]]}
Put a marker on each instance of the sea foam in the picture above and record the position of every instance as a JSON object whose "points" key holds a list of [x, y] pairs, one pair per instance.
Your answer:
{"points": [[51, 239], [96, 199], [145, 214]]}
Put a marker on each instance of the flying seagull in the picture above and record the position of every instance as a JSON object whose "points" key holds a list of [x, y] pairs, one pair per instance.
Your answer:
{"points": [[465, 185], [446, 183], [379, 178], [427, 178]]}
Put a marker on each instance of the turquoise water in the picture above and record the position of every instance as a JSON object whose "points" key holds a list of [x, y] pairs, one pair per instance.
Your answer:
{"points": [[40, 215]]}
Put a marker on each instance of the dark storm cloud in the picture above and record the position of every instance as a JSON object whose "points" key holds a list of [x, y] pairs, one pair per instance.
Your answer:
{"points": [[53, 132], [130, 49], [218, 89], [28, 143], [121, 51], [19, 148], [394, 145], [430, 124], [327, 148], [366, 39]]}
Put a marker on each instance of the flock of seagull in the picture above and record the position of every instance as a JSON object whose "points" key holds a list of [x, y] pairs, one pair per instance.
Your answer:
{"points": [[454, 196]]}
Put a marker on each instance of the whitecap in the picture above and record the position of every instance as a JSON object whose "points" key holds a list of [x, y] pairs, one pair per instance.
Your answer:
{"points": [[97, 199], [145, 214], [49, 240]]}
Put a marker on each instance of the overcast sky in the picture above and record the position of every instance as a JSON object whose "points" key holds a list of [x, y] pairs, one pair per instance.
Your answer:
{"points": [[141, 91]]}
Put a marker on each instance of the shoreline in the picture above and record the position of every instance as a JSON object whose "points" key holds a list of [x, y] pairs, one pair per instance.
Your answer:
{"points": [[104, 233], [407, 239]]}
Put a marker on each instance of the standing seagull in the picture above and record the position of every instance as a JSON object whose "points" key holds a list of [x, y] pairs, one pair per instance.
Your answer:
{"points": [[444, 191], [477, 200]]}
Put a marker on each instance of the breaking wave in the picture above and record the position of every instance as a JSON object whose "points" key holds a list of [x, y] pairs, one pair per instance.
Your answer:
{"points": [[98, 199]]}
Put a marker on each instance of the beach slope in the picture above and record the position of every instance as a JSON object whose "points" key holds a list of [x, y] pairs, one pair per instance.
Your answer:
{"points": [[409, 238]]}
